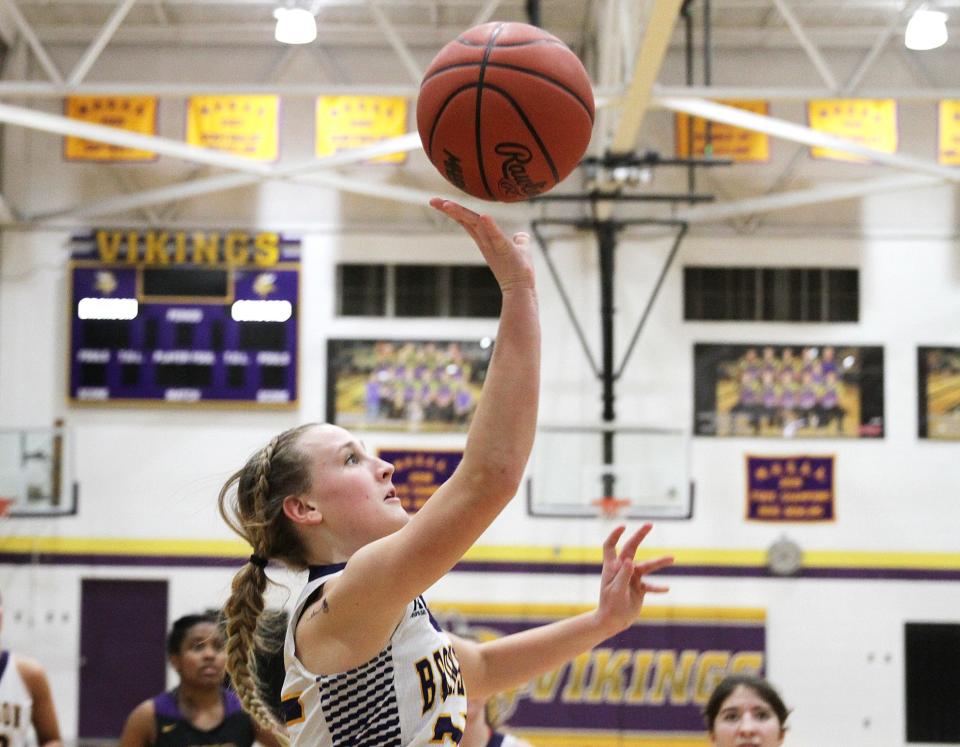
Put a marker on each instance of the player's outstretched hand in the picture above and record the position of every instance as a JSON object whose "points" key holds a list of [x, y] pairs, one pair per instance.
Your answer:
{"points": [[509, 259], [622, 584]]}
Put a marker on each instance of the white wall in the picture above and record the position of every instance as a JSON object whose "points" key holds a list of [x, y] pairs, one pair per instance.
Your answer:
{"points": [[154, 473]]}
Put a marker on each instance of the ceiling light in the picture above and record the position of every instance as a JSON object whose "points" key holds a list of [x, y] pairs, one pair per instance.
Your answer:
{"points": [[295, 26], [926, 29]]}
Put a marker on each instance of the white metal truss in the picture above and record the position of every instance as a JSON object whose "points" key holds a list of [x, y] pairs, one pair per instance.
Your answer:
{"points": [[627, 65]]}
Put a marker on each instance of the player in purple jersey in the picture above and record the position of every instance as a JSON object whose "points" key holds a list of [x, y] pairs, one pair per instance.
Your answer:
{"points": [[200, 710], [366, 663]]}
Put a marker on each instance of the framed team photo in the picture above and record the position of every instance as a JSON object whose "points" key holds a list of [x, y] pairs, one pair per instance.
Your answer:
{"points": [[405, 385], [785, 391], [938, 393]]}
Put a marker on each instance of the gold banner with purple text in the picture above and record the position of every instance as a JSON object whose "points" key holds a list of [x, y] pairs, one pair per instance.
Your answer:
{"points": [[726, 141], [132, 113], [871, 123], [241, 125], [350, 122]]}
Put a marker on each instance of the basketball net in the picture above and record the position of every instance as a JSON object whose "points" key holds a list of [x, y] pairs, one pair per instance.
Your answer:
{"points": [[609, 507]]}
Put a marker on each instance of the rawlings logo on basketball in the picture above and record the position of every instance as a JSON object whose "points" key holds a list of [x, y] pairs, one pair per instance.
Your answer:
{"points": [[516, 180], [453, 169]]}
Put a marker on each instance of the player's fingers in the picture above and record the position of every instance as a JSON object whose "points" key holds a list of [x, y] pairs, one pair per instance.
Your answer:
{"points": [[610, 543], [468, 220], [630, 546], [655, 588], [652, 566], [623, 577]]}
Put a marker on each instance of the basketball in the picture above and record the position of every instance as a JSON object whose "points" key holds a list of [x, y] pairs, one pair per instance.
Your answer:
{"points": [[505, 111]]}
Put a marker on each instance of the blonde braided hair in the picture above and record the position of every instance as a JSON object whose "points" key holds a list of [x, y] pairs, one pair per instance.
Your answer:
{"points": [[278, 470]]}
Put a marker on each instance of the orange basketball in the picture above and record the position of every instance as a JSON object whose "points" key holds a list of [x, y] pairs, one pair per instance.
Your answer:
{"points": [[505, 111]]}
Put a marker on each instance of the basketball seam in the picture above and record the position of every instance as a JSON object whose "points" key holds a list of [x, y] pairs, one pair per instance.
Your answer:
{"points": [[478, 144], [531, 129], [437, 117], [512, 45], [516, 68]]}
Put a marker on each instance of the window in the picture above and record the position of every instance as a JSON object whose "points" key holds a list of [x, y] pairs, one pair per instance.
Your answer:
{"points": [[771, 294], [417, 291], [361, 290]]}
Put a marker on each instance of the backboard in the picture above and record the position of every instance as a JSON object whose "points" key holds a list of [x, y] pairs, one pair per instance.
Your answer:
{"points": [[575, 466], [34, 472]]}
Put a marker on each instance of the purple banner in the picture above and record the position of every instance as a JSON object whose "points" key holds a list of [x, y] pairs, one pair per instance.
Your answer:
{"points": [[790, 488], [655, 676], [418, 473]]}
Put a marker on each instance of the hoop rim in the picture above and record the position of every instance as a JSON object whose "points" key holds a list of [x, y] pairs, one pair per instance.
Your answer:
{"points": [[610, 506]]}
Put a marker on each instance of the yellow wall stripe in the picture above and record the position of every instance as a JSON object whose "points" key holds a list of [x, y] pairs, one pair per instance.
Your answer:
{"points": [[492, 554], [527, 610], [550, 738]]}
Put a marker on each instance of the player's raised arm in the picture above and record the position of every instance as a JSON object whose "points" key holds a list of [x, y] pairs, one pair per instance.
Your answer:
{"points": [[496, 453]]}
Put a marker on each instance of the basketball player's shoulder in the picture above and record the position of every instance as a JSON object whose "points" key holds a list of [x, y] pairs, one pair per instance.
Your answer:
{"points": [[30, 670]]}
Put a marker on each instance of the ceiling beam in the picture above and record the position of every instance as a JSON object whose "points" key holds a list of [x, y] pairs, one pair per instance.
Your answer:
{"points": [[724, 211], [399, 45], [222, 182], [60, 125], [36, 46], [785, 93], [646, 67], [100, 42], [808, 46], [804, 135]]}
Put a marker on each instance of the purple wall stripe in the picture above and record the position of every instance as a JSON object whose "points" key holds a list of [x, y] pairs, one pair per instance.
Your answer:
{"points": [[577, 569]]}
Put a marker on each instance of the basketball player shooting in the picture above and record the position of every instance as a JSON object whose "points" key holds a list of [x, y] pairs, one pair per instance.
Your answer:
{"points": [[366, 663]]}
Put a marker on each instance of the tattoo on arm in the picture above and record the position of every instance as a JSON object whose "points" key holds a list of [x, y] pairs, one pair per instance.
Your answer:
{"points": [[324, 607]]}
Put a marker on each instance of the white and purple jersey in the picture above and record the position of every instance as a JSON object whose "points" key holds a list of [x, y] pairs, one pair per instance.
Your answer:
{"points": [[411, 694], [16, 704]]}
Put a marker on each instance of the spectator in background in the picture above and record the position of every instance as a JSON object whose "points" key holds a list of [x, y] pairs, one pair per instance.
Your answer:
{"points": [[745, 710], [200, 710]]}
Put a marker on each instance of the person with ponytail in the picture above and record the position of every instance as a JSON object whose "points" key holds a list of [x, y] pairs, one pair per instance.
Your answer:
{"points": [[200, 710], [366, 662]]}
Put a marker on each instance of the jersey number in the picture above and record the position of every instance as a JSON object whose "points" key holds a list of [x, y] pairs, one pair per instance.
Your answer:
{"points": [[444, 728]]}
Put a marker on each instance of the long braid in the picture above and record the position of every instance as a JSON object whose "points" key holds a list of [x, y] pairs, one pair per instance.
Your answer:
{"points": [[242, 610], [275, 471]]}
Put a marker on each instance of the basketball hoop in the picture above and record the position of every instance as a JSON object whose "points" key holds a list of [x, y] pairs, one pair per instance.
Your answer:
{"points": [[609, 507]]}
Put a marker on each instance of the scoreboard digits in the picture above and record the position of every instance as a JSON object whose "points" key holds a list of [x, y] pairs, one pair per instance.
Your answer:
{"points": [[180, 317]]}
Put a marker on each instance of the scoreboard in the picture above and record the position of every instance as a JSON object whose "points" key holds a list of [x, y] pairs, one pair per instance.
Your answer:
{"points": [[184, 317]]}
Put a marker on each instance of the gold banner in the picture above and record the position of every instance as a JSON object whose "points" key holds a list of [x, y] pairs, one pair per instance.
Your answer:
{"points": [[133, 113], [349, 122], [726, 141], [871, 123], [241, 125], [948, 152]]}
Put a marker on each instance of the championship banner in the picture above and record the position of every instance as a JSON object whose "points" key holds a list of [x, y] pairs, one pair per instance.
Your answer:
{"points": [[790, 488], [938, 393], [643, 687], [241, 125], [419, 472], [350, 122], [871, 123], [726, 141], [949, 133], [133, 113]]}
